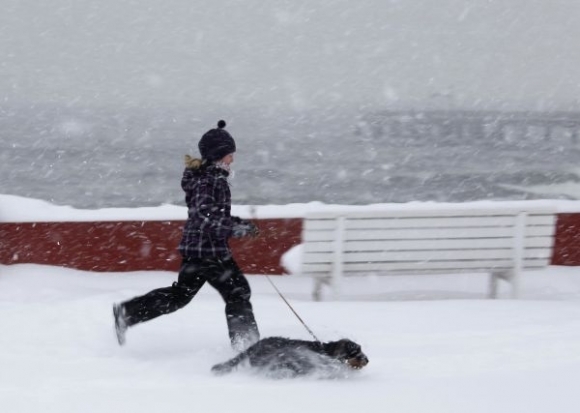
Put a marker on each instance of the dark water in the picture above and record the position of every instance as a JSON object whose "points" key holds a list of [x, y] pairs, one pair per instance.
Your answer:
{"points": [[96, 159]]}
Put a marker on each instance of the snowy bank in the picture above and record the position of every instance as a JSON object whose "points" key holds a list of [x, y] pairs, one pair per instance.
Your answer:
{"points": [[18, 209]]}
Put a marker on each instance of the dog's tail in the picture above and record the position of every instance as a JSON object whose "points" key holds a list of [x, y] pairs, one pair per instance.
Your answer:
{"points": [[229, 366]]}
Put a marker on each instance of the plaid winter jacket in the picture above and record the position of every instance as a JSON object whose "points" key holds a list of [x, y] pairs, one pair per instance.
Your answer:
{"points": [[209, 223]]}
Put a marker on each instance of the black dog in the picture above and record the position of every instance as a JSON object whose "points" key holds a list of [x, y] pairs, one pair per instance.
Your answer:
{"points": [[281, 357]]}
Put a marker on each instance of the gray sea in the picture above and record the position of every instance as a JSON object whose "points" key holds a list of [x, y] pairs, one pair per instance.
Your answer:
{"points": [[104, 157]]}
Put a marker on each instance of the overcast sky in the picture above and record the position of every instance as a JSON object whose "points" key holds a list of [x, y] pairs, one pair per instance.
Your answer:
{"points": [[295, 53]]}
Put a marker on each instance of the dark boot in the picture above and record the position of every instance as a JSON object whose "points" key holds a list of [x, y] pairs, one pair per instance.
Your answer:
{"points": [[120, 324], [242, 327]]}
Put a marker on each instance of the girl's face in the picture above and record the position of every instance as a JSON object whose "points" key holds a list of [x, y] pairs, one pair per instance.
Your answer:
{"points": [[227, 160]]}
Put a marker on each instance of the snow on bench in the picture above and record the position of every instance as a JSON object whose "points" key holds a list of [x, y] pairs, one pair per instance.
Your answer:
{"points": [[501, 241]]}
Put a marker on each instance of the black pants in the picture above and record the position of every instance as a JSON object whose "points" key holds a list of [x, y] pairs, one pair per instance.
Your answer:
{"points": [[222, 274]]}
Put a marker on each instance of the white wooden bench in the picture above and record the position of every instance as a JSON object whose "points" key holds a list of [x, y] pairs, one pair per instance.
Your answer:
{"points": [[499, 240]]}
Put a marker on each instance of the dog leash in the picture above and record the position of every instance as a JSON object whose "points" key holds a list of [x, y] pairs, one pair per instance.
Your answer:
{"points": [[253, 214], [295, 313]]}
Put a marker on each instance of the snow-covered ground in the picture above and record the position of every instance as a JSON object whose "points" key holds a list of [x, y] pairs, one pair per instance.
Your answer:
{"points": [[434, 343]]}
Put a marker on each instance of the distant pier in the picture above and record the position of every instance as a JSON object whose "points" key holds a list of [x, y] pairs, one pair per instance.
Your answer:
{"points": [[453, 126]]}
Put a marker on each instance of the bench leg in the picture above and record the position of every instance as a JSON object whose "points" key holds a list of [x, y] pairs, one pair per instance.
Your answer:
{"points": [[493, 284], [515, 282], [317, 293], [494, 278], [318, 284]]}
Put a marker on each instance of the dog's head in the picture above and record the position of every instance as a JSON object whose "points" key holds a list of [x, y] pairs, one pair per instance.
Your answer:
{"points": [[348, 352]]}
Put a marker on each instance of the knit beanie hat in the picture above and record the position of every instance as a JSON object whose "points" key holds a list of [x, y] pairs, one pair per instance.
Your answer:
{"points": [[216, 143]]}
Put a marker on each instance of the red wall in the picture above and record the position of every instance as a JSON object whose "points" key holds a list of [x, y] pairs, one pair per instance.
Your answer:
{"points": [[135, 245], [152, 245], [567, 242]]}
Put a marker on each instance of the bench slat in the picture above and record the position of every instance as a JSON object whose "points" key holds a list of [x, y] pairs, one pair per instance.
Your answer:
{"points": [[443, 266], [462, 210], [427, 222], [411, 245], [426, 256], [427, 233]]}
